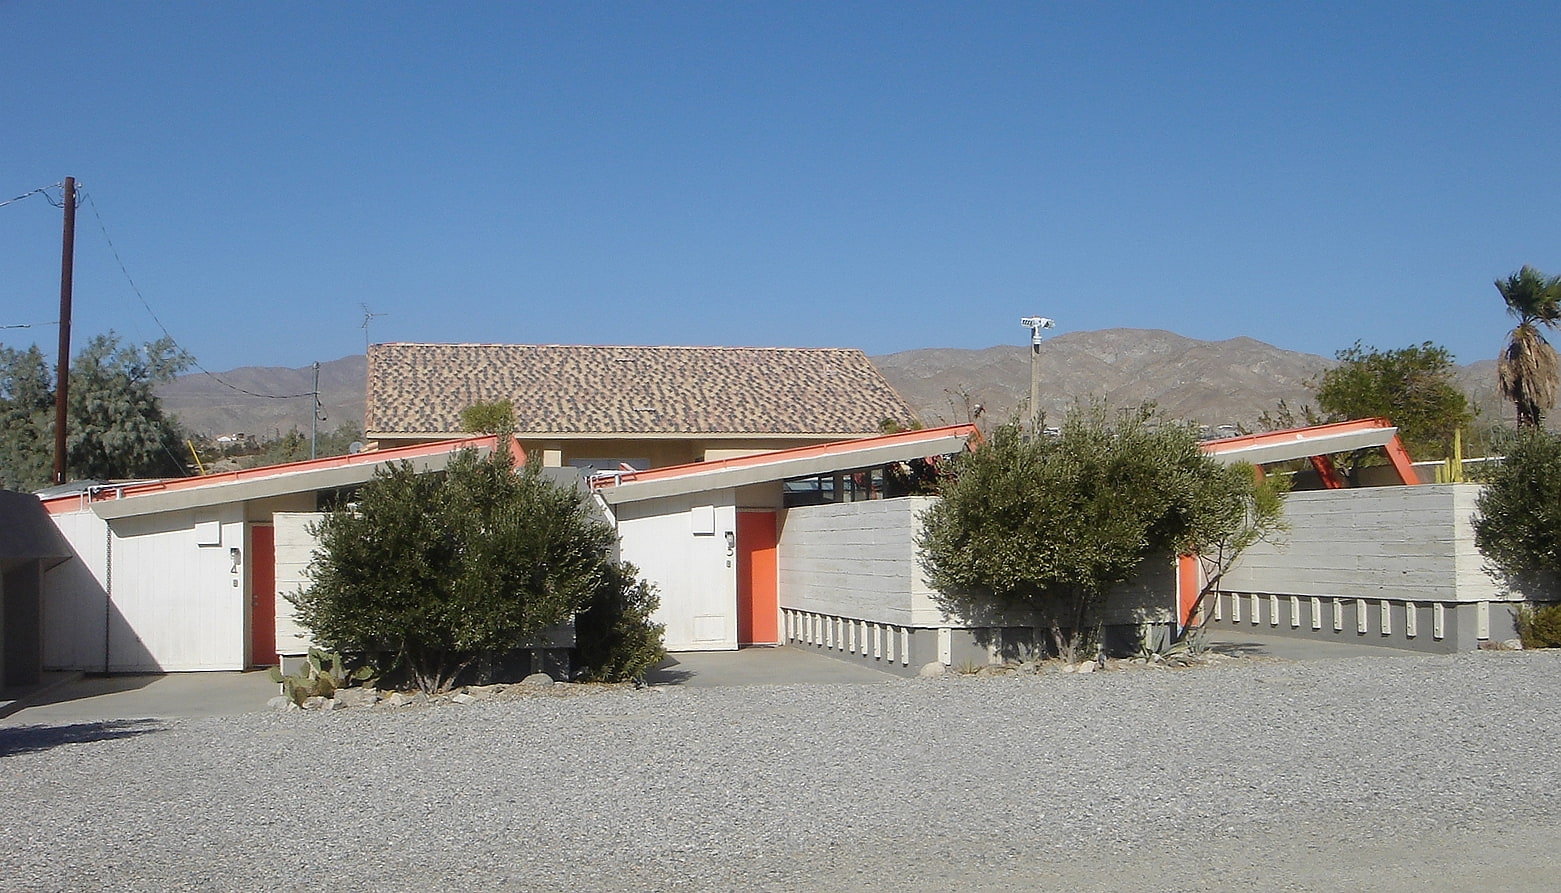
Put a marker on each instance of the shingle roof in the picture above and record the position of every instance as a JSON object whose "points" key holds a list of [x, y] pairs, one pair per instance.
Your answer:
{"points": [[557, 389]]}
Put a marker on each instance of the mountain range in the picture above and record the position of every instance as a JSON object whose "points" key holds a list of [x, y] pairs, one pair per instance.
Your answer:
{"points": [[1214, 383]]}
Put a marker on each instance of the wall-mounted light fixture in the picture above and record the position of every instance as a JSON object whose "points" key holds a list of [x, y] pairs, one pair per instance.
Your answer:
{"points": [[236, 555], [731, 542]]}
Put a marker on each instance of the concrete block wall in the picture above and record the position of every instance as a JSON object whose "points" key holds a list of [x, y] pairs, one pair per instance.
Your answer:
{"points": [[1398, 543], [856, 559]]}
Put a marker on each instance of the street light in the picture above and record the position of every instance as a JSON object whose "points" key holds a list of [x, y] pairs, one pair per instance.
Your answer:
{"points": [[1035, 324]]}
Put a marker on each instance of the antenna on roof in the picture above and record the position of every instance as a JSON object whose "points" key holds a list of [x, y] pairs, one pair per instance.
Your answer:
{"points": [[368, 316]]}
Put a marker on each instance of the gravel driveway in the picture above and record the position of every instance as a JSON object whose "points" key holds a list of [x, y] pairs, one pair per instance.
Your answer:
{"points": [[1375, 773]]}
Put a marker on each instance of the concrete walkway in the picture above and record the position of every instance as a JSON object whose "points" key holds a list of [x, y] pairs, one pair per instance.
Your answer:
{"points": [[70, 698], [78, 699], [67, 698]]}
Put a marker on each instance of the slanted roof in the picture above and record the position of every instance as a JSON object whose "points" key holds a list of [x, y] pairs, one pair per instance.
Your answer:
{"points": [[560, 390], [1302, 443], [721, 474], [120, 501]]}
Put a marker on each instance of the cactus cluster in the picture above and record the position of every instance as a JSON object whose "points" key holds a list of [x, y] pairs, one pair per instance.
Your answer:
{"points": [[320, 676]]}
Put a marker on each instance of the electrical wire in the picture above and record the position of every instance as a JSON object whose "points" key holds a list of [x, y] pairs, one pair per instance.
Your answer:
{"points": [[193, 361], [41, 190]]}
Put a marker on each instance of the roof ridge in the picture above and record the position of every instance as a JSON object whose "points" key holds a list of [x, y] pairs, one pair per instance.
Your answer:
{"points": [[610, 346]]}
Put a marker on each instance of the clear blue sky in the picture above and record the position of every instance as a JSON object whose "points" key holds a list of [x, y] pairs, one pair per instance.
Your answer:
{"points": [[884, 176]]}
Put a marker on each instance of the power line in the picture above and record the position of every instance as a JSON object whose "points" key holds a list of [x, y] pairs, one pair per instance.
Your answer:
{"points": [[193, 361], [41, 190]]}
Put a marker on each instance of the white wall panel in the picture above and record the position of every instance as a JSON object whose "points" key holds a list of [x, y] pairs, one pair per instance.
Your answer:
{"points": [[75, 604], [295, 547], [694, 575]]}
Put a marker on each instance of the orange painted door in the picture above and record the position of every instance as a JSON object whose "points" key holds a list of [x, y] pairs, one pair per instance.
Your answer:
{"points": [[758, 611], [262, 595]]}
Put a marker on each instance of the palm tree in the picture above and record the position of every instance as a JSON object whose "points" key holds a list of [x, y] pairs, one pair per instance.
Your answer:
{"points": [[1528, 369]]}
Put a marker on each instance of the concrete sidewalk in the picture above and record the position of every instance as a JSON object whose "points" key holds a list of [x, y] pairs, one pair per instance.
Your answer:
{"points": [[69, 698], [78, 699]]}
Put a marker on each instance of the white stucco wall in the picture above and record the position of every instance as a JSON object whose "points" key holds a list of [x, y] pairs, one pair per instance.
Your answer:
{"points": [[174, 605], [74, 602], [1411, 543], [693, 572]]}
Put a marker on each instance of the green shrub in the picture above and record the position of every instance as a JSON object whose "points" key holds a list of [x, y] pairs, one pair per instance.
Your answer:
{"points": [[1518, 522], [1540, 627], [1051, 524], [615, 639], [437, 572]]}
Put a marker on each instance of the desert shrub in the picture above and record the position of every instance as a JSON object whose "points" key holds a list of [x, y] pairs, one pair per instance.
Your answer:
{"points": [[1540, 626], [615, 639], [436, 572], [1051, 524], [1517, 525]]}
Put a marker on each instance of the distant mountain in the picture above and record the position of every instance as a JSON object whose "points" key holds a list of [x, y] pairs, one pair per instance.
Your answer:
{"points": [[1209, 382], [217, 404]]}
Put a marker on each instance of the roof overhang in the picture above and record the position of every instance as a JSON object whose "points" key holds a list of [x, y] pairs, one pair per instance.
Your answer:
{"points": [[1302, 443], [314, 475], [722, 474]]}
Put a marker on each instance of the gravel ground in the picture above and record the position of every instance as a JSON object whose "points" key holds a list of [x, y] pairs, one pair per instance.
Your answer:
{"points": [[1377, 773]]}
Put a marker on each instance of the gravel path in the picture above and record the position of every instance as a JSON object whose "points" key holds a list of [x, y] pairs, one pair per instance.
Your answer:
{"points": [[1379, 773]]}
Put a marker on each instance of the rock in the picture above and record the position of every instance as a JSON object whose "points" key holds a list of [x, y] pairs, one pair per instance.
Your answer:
{"points": [[462, 697], [281, 703], [482, 692], [357, 697], [1086, 667], [1070, 668], [314, 703], [395, 699], [1513, 644], [932, 670], [538, 679]]}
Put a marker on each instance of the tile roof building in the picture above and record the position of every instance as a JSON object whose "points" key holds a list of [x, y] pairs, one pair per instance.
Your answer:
{"points": [[649, 406]]}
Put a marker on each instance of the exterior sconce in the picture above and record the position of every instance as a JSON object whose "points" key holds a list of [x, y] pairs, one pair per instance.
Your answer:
{"points": [[236, 555], [731, 542]]}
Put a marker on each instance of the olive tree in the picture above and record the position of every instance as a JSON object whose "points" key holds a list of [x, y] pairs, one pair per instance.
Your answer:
{"points": [[1052, 524], [1517, 525], [436, 572]]}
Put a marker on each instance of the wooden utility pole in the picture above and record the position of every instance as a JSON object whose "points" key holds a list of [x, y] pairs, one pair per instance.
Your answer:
{"points": [[62, 382]]}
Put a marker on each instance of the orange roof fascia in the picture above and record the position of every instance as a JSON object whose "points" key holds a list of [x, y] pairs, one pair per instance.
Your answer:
{"points": [[393, 454], [824, 449], [1266, 438]]}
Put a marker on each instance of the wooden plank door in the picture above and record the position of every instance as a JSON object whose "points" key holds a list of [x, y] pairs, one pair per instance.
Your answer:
{"points": [[758, 610], [262, 595]]}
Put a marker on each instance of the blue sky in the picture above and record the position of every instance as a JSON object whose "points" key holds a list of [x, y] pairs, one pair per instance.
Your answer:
{"points": [[884, 176]]}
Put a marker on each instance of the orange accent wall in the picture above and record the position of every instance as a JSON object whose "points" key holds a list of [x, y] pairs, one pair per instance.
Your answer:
{"points": [[758, 608], [1189, 582]]}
